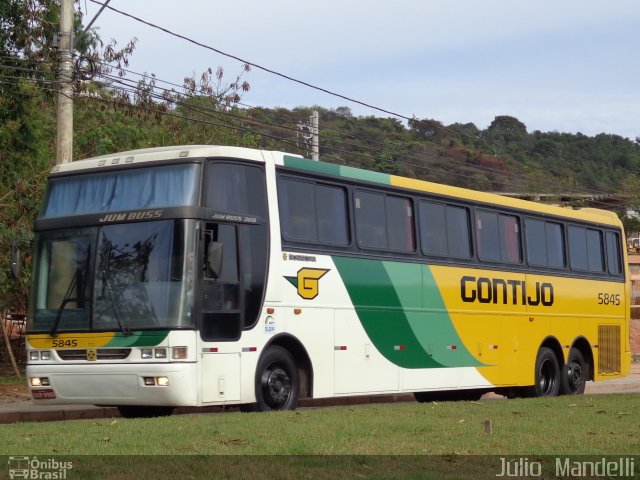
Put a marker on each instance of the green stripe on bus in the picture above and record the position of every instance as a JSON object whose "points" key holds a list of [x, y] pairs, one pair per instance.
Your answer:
{"points": [[403, 313], [138, 339], [336, 170]]}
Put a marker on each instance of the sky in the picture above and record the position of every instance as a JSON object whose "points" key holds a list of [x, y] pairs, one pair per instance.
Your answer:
{"points": [[556, 65]]}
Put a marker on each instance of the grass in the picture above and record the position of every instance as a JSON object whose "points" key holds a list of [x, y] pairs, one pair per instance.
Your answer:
{"points": [[582, 425], [404, 440]]}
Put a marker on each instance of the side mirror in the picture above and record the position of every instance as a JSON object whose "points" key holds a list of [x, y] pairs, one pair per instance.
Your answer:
{"points": [[15, 263], [214, 260]]}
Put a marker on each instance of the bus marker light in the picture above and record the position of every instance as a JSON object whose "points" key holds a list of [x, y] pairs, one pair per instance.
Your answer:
{"points": [[250, 349], [493, 347], [271, 310], [210, 350], [179, 353], [340, 347], [452, 347], [297, 311], [399, 347]]}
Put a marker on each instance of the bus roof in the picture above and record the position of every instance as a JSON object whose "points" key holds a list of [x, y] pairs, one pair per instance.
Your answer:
{"points": [[298, 162]]}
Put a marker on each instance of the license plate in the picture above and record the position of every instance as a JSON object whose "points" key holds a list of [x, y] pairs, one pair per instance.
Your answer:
{"points": [[47, 394]]}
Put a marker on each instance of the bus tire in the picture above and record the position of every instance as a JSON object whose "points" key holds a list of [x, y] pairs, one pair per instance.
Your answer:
{"points": [[547, 376], [137, 411], [277, 381], [575, 374]]}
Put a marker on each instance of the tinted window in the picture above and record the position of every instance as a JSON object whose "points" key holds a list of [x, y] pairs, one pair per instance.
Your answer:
{"points": [[578, 248], [555, 245], [236, 188], [331, 209], [313, 213], [594, 250], [585, 249], [384, 222], [444, 230], [498, 237], [545, 246], [399, 224], [613, 253], [488, 236], [536, 242], [297, 211], [371, 225]]}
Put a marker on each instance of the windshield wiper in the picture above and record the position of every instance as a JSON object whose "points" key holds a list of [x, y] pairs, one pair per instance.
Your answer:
{"points": [[66, 299], [115, 305]]}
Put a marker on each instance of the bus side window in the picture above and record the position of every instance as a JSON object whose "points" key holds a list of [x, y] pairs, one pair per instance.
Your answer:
{"points": [[613, 253]]}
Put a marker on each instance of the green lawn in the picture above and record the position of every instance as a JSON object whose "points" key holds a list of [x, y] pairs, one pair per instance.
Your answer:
{"points": [[403, 440], [586, 425]]}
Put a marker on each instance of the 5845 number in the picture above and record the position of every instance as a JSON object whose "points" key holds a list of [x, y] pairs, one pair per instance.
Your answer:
{"points": [[64, 343], [609, 299]]}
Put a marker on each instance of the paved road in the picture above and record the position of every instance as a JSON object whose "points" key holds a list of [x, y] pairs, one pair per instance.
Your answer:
{"points": [[22, 410]]}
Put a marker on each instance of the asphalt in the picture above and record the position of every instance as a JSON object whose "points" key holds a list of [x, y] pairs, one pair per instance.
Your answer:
{"points": [[24, 410]]}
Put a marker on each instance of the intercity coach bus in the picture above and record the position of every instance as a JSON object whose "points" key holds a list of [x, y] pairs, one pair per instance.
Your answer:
{"points": [[209, 275]]}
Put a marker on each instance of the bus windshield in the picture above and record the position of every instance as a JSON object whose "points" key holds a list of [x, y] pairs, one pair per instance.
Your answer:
{"points": [[125, 277]]}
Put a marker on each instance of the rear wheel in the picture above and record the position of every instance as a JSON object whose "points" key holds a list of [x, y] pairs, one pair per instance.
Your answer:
{"points": [[136, 411], [547, 375], [575, 374], [277, 382]]}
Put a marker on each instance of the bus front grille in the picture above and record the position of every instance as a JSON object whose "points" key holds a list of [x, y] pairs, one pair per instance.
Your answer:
{"points": [[98, 354], [610, 357]]}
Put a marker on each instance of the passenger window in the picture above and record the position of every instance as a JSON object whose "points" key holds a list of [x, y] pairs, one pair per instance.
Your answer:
{"points": [[384, 222], [585, 249], [444, 230], [614, 262], [313, 213], [498, 237], [545, 245]]}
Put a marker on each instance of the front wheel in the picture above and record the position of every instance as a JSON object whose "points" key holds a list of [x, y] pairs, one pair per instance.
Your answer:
{"points": [[575, 374], [277, 382], [547, 375]]}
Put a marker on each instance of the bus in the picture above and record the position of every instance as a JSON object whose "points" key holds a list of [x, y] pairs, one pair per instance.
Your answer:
{"points": [[215, 276]]}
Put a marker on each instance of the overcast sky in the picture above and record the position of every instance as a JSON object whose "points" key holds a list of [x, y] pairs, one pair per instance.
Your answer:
{"points": [[565, 65]]}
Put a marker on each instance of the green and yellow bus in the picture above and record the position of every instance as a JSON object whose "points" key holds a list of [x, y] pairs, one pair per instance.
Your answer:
{"points": [[210, 275]]}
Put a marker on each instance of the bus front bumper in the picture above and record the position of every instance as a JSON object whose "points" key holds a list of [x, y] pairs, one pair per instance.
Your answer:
{"points": [[167, 384]]}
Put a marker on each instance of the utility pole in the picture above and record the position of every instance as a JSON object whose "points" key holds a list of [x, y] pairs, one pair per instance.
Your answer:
{"points": [[64, 138], [315, 137]]}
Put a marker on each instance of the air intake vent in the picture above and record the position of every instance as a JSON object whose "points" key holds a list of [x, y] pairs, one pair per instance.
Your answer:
{"points": [[100, 354], [610, 358]]}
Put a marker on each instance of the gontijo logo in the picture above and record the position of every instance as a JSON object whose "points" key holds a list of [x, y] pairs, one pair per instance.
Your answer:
{"points": [[308, 282]]}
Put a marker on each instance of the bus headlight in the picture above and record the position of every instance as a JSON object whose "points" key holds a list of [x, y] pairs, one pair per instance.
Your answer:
{"points": [[35, 355], [146, 353], [39, 381]]}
